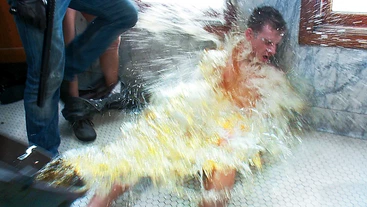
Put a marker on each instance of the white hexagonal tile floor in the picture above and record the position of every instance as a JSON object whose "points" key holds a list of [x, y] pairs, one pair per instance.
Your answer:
{"points": [[324, 170]]}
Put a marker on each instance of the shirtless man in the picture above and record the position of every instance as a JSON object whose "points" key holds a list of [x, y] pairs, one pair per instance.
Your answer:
{"points": [[266, 28]]}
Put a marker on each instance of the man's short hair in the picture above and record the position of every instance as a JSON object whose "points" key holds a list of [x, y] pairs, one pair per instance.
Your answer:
{"points": [[266, 15]]}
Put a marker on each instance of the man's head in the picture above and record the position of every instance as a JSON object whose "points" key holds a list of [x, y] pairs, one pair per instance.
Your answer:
{"points": [[265, 30]]}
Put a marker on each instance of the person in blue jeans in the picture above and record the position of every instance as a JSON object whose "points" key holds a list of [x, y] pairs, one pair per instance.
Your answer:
{"points": [[113, 17]]}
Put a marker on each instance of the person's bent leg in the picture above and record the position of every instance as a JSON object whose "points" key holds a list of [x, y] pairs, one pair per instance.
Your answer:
{"points": [[220, 182], [74, 87], [69, 26], [109, 62], [69, 34], [83, 127], [113, 17], [42, 123]]}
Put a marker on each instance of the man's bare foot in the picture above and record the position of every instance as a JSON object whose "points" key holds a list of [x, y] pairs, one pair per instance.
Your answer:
{"points": [[217, 203], [106, 201], [219, 181]]}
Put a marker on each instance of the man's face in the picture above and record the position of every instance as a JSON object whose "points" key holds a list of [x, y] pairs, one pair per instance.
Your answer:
{"points": [[264, 43]]}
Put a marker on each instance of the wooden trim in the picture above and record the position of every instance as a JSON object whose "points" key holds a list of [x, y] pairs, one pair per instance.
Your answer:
{"points": [[12, 55], [319, 25], [342, 19], [11, 49]]}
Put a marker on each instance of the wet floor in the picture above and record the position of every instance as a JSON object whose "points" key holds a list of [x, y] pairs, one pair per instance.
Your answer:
{"points": [[324, 170]]}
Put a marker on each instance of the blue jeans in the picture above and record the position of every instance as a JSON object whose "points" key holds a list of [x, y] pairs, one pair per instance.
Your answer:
{"points": [[113, 18]]}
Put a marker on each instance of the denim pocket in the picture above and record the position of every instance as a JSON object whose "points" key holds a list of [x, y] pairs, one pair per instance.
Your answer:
{"points": [[32, 12]]}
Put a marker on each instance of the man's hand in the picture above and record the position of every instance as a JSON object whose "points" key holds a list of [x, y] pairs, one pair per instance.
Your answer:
{"points": [[32, 12]]}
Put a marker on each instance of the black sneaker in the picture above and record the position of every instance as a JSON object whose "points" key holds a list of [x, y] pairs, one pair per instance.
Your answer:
{"points": [[84, 131]]}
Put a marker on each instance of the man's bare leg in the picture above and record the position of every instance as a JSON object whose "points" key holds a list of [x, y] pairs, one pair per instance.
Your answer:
{"points": [[69, 35], [219, 181], [109, 60]]}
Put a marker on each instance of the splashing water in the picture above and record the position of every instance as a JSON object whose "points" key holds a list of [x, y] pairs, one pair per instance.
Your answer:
{"points": [[192, 122]]}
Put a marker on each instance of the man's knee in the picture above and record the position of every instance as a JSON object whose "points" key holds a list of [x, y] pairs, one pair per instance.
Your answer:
{"points": [[128, 16]]}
